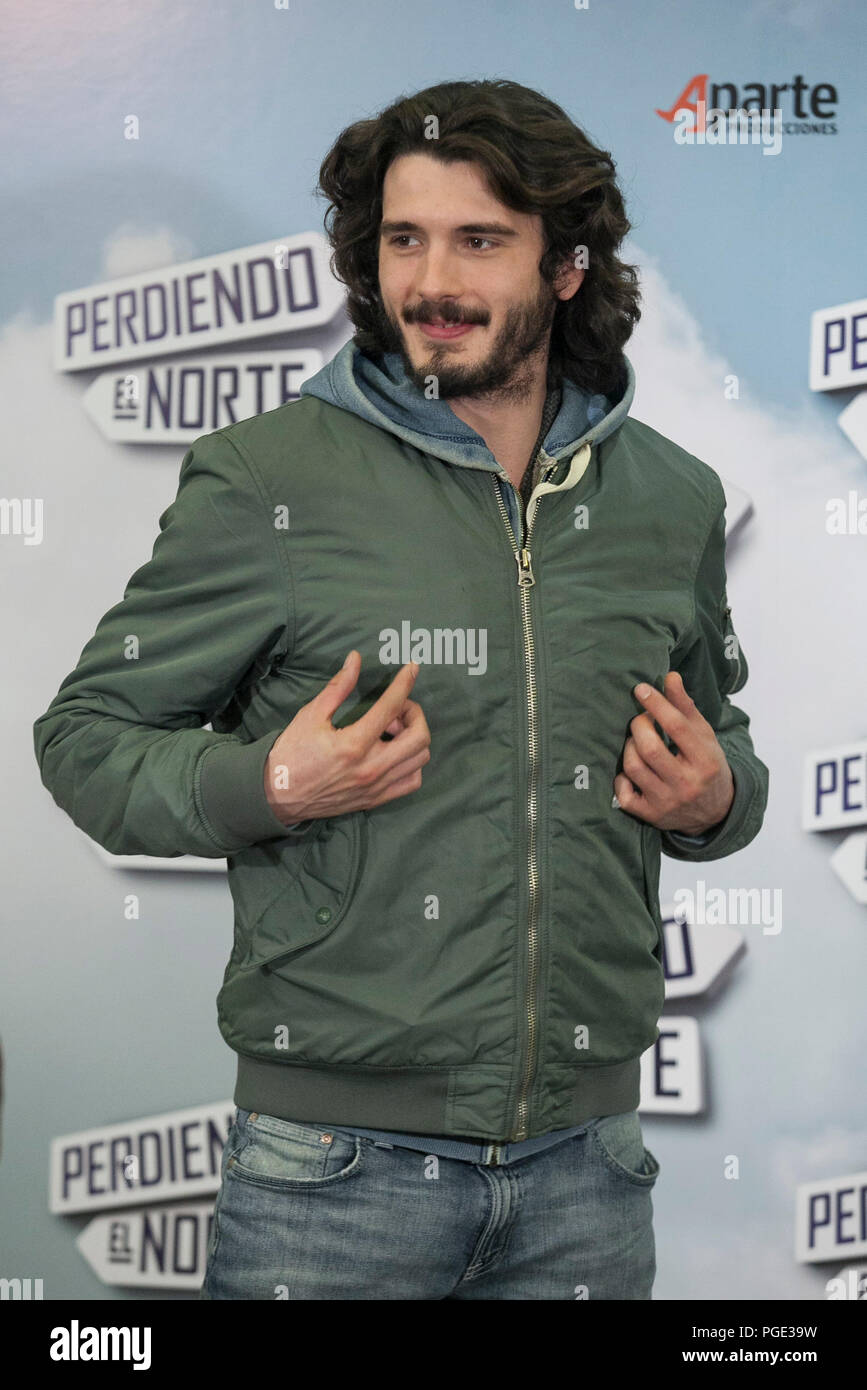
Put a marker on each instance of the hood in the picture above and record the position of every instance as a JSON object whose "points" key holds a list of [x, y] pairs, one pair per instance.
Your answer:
{"points": [[379, 391]]}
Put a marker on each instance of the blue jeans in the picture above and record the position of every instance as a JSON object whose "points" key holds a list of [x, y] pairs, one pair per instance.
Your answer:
{"points": [[306, 1211]]}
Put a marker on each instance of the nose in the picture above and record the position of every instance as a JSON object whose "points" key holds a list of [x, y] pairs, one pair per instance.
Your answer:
{"points": [[438, 277]]}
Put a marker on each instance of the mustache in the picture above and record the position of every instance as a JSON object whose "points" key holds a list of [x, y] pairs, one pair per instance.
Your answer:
{"points": [[426, 312]]}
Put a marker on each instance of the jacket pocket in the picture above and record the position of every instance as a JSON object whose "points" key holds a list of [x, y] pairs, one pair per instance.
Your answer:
{"points": [[312, 897]]}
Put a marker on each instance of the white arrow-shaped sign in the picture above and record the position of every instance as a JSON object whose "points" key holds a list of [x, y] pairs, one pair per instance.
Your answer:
{"points": [[151, 1247], [275, 287], [176, 400], [671, 1070], [835, 787], [697, 956], [836, 334], [853, 422], [154, 1159], [739, 506], [831, 1218], [849, 861]]}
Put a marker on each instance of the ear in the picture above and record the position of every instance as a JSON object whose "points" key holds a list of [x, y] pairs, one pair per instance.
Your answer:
{"points": [[568, 280]]}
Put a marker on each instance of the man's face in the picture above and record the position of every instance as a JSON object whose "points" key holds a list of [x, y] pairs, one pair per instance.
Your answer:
{"points": [[450, 252]]}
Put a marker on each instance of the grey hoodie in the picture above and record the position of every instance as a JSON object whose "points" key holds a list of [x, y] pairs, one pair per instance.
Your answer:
{"points": [[380, 392]]}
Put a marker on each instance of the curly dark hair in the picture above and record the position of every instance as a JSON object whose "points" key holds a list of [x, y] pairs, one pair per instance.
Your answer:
{"points": [[536, 160]]}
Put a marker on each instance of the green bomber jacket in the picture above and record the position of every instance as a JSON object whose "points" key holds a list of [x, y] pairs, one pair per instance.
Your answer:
{"points": [[481, 957]]}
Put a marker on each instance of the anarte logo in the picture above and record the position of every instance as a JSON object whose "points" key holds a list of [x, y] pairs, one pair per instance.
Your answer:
{"points": [[702, 97]]}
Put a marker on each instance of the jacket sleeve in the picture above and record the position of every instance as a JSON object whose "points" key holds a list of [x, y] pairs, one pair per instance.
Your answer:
{"points": [[713, 666], [121, 747]]}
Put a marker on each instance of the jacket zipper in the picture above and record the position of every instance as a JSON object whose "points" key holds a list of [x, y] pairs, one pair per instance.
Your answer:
{"points": [[526, 580]]}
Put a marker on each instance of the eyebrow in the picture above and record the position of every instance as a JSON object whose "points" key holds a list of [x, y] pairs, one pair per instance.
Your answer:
{"points": [[467, 229]]}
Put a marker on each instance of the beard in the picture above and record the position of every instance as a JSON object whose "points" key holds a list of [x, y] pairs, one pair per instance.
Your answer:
{"points": [[508, 369]]}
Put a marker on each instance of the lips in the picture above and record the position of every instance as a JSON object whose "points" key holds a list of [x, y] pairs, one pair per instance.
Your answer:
{"points": [[445, 330]]}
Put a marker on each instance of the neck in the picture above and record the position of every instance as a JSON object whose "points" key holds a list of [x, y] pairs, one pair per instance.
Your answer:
{"points": [[508, 422]]}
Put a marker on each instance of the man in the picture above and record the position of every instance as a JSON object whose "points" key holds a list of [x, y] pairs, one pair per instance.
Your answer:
{"points": [[447, 958]]}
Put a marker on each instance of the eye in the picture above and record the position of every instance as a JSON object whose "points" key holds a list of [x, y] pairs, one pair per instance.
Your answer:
{"points": [[400, 239]]}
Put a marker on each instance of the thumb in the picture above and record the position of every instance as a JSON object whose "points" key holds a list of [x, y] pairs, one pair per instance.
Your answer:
{"points": [[332, 695]]}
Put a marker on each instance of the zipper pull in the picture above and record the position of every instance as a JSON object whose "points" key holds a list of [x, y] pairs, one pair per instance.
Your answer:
{"points": [[525, 566]]}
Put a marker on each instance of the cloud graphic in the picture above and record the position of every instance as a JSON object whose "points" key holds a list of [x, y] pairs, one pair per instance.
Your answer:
{"points": [[130, 251]]}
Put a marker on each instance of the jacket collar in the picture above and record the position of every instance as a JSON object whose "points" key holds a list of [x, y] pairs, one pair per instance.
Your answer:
{"points": [[379, 391]]}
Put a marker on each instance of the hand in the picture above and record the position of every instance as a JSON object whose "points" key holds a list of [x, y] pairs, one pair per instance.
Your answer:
{"points": [[689, 791], [331, 771]]}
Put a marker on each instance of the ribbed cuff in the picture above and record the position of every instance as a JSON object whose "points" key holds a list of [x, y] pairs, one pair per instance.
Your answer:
{"points": [[723, 838], [694, 839], [231, 794]]}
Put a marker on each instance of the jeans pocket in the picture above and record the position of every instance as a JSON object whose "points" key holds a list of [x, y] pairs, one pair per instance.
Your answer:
{"points": [[235, 1141], [620, 1142], [292, 1154]]}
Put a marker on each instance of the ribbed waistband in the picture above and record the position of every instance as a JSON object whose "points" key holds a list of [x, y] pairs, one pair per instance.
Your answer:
{"points": [[457, 1102]]}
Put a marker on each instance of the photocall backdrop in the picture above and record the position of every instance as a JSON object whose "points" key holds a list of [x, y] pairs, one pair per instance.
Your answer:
{"points": [[163, 139]]}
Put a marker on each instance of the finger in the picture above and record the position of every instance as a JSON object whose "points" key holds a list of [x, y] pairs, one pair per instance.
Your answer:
{"points": [[411, 717], [332, 695], [399, 773], [668, 716], [642, 773], [372, 725], [412, 738], [630, 800], [413, 731], [652, 750], [677, 693]]}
